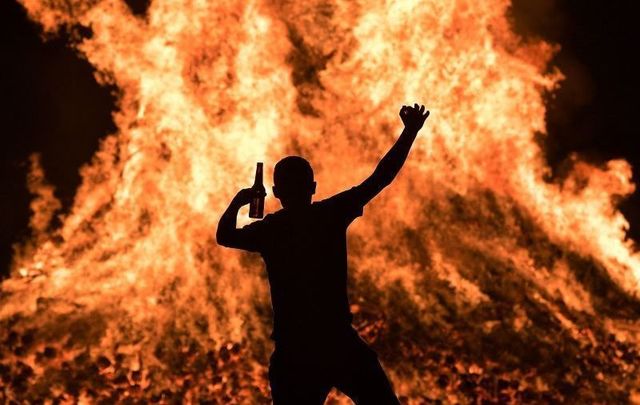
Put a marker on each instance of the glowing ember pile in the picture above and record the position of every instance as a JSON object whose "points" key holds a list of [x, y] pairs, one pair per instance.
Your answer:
{"points": [[471, 276]]}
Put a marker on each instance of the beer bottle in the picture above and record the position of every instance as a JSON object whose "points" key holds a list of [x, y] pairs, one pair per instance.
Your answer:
{"points": [[256, 207]]}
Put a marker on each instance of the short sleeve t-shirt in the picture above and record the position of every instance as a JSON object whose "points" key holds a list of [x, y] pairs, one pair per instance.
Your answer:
{"points": [[305, 252]]}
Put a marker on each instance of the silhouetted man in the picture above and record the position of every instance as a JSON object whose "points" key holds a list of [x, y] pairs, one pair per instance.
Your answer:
{"points": [[305, 250]]}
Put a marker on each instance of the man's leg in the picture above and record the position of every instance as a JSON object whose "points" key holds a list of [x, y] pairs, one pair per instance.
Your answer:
{"points": [[362, 377], [296, 383]]}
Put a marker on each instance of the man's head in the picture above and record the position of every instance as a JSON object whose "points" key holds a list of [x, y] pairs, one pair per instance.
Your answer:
{"points": [[293, 181]]}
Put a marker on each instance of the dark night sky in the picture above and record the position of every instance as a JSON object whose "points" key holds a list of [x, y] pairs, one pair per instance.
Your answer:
{"points": [[52, 104]]}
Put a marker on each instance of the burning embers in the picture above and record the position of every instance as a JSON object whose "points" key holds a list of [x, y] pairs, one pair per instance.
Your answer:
{"points": [[507, 287], [57, 361]]}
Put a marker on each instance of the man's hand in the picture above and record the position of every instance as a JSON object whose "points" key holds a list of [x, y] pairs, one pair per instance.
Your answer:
{"points": [[244, 196], [413, 117]]}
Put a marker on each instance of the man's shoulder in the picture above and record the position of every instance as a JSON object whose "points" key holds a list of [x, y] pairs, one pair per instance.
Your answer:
{"points": [[347, 197], [345, 204], [273, 217], [346, 194]]}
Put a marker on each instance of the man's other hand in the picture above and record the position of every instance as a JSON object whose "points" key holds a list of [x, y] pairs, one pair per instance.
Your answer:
{"points": [[413, 117]]}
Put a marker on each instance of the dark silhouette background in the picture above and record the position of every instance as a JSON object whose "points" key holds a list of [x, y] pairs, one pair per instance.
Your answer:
{"points": [[52, 104]]}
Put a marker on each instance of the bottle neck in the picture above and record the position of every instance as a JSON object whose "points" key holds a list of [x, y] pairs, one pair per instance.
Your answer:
{"points": [[258, 179]]}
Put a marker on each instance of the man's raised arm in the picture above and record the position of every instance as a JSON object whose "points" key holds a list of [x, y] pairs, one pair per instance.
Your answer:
{"points": [[387, 169], [227, 234]]}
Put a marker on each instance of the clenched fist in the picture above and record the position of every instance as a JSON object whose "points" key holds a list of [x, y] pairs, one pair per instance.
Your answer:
{"points": [[413, 117]]}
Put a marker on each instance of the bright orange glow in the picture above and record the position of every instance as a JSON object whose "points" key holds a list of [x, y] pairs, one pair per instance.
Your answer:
{"points": [[134, 281]]}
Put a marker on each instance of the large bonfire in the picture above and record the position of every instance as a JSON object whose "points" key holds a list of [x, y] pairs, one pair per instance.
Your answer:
{"points": [[474, 276]]}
